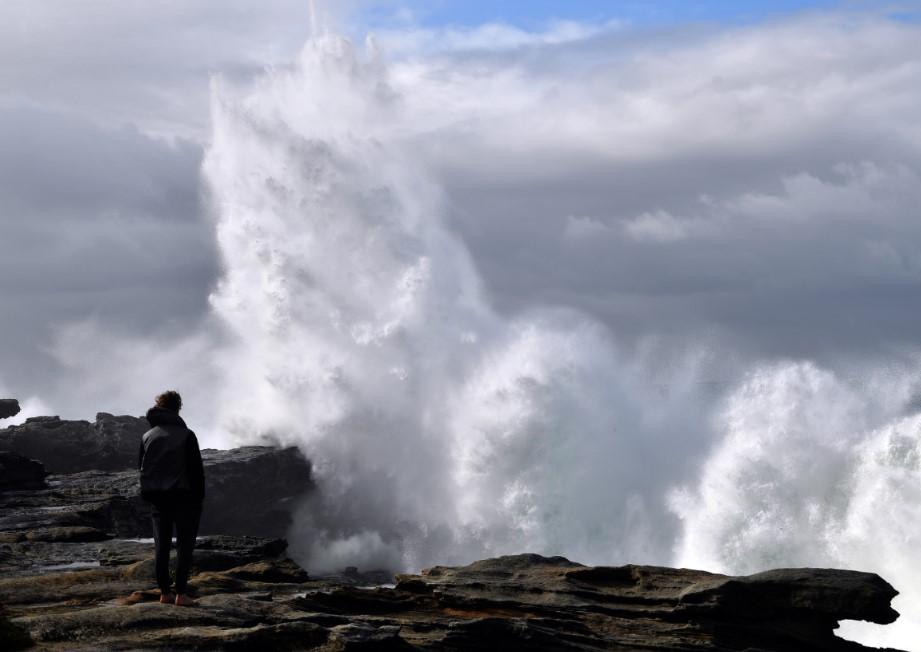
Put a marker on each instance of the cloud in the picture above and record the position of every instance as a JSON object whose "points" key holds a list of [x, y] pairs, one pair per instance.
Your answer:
{"points": [[757, 182], [95, 222], [751, 184], [414, 42], [123, 372], [129, 62], [580, 228], [659, 226]]}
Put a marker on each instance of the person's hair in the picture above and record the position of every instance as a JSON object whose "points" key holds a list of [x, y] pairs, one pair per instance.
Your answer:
{"points": [[169, 400]]}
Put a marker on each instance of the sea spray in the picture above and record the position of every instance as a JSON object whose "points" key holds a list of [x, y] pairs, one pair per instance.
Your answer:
{"points": [[814, 469], [441, 431]]}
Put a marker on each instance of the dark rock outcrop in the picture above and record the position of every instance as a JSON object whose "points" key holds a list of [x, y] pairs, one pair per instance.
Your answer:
{"points": [[109, 444], [554, 602], [250, 490], [18, 473], [523, 602], [93, 481], [253, 489], [9, 407]]}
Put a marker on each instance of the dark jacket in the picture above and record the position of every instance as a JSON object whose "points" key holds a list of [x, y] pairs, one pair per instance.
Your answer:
{"points": [[169, 460]]}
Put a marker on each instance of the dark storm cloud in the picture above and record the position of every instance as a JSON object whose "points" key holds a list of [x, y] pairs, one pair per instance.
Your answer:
{"points": [[95, 222]]}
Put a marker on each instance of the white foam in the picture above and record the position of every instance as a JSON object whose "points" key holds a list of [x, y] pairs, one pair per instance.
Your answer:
{"points": [[814, 470], [440, 430], [443, 431]]}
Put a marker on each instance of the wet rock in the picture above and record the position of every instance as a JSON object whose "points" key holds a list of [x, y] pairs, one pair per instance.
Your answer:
{"points": [[18, 473], [532, 602], [253, 489], [821, 593], [9, 407]]}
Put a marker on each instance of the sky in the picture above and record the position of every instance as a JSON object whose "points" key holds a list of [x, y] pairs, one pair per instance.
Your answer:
{"points": [[687, 172], [534, 14], [709, 121]]}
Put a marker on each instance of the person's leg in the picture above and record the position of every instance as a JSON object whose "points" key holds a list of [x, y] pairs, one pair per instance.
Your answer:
{"points": [[187, 517], [162, 517]]}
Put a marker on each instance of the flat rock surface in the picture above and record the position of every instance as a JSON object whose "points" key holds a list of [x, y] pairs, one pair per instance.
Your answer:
{"points": [[522, 602]]}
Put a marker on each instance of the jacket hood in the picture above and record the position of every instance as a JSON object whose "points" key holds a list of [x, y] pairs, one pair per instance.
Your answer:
{"points": [[157, 416]]}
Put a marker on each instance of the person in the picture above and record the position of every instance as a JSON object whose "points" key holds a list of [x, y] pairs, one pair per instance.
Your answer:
{"points": [[172, 480]]}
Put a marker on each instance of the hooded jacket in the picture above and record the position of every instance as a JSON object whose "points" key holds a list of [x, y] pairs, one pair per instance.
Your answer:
{"points": [[169, 460]]}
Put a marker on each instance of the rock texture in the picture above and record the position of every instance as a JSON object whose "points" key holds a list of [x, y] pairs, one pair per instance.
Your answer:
{"points": [[251, 490], [108, 444], [523, 602], [9, 407], [93, 480]]}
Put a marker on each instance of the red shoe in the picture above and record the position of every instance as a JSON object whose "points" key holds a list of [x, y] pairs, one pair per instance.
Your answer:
{"points": [[182, 600], [167, 598]]}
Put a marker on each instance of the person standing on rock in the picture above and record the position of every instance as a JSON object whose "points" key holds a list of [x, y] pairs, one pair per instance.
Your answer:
{"points": [[172, 480]]}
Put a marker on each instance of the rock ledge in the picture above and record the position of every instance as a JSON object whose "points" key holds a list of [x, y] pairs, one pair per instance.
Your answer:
{"points": [[521, 602]]}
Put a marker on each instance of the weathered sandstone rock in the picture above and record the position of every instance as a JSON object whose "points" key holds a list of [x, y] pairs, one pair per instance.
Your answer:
{"points": [[522, 602]]}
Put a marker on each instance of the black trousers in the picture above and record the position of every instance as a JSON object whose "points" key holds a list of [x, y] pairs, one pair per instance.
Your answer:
{"points": [[184, 514]]}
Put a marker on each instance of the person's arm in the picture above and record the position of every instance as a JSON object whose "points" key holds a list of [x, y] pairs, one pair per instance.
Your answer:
{"points": [[196, 467], [141, 455]]}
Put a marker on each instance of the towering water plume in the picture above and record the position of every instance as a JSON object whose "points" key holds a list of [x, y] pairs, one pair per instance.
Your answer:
{"points": [[443, 431], [440, 431]]}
